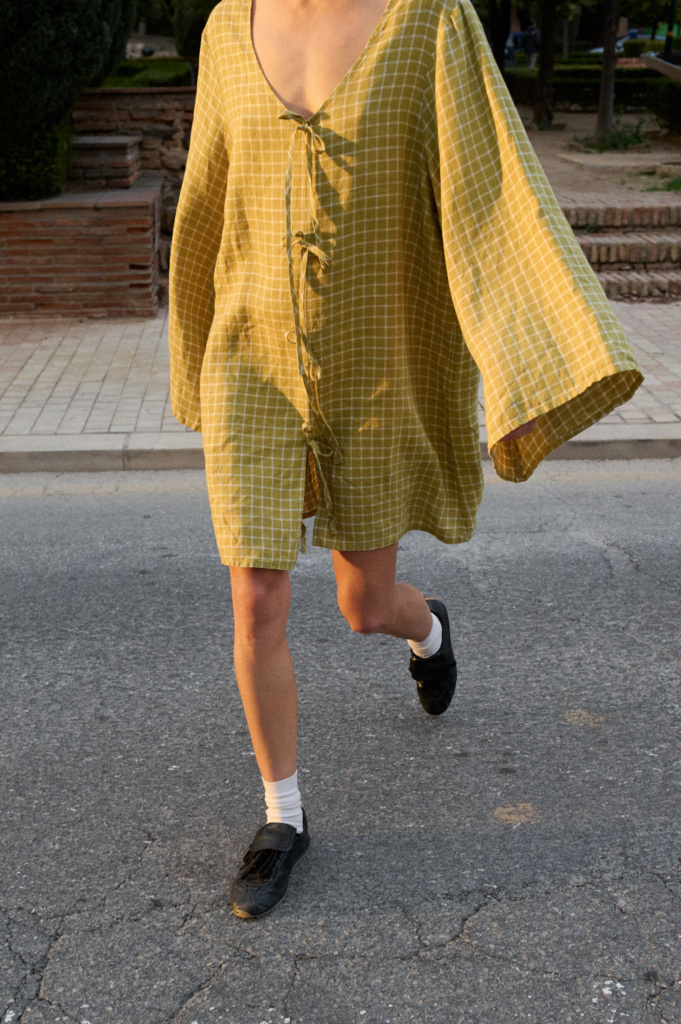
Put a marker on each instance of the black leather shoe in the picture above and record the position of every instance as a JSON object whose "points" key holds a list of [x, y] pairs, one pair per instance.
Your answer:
{"points": [[436, 677], [262, 880]]}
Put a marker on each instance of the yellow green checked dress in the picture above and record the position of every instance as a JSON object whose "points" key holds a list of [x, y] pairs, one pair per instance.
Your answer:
{"points": [[339, 281]]}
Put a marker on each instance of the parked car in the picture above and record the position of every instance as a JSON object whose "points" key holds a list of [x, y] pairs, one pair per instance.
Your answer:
{"points": [[619, 47]]}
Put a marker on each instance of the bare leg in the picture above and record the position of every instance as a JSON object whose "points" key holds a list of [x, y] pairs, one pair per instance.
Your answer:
{"points": [[371, 600], [261, 599]]}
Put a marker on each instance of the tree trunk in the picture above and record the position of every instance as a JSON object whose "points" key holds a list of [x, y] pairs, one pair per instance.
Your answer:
{"points": [[566, 38], [543, 103], [606, 95], [500, 25], [669, 39]]}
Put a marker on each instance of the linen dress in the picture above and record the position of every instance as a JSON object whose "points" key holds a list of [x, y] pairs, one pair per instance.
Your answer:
{"points": [[339, 282]]}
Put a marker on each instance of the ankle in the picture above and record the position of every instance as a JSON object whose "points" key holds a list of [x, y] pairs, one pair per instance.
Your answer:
{"points": [[283, 802], [432, 643]]}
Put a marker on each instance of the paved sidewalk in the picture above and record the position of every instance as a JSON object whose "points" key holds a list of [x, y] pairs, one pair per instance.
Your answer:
{"points": [[93, 394]]}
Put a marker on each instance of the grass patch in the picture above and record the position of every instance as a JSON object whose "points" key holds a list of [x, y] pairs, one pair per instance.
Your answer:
{"points": [[619, 138], [145, 72], [673, 185]]}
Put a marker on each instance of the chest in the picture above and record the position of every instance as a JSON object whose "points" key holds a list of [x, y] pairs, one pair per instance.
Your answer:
{"points": [[305, 52]]}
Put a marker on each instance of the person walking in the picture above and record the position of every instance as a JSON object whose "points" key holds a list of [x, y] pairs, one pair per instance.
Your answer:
{"points": [[531, 43], [363, 229]]}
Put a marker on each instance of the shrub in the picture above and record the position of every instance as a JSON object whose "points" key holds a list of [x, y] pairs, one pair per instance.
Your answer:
{"points": [[664, 102], [49, 53], [34, 162], [620, 137], [189, 19]]}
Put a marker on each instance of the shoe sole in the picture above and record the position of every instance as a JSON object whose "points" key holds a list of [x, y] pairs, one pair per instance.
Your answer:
{"points": [[245, 916]]}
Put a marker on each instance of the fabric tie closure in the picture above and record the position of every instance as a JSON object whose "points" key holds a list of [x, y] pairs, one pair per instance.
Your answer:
{"points": [[323, 444], [314, 147], [318, 434]]}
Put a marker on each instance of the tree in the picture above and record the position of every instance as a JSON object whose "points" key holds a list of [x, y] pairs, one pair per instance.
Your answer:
{"points": [[543, 103], [553, 15], [642, 13], [49, 53], [568, 14], [189, 19], [499, 17], [157, 16], [606, 94]]}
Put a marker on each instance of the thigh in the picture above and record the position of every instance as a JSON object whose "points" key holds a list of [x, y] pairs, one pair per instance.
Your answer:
{"points": [[366, 575]]}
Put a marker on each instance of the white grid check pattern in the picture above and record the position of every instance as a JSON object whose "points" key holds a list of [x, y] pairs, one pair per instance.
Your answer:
{"points": [[448, 249]]}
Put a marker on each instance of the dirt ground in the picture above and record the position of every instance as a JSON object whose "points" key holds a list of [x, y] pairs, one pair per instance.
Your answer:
{"points": [[608, 173]]}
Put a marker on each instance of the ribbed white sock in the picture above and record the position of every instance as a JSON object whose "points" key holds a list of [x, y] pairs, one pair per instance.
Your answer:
{"points": [[283, 802], [432, 644]]}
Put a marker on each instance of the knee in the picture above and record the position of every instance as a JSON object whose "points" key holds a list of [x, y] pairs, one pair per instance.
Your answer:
{"points": [[261, 599], [361, 612]]}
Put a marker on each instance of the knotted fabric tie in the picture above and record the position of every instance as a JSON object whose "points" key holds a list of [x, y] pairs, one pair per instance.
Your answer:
{"points": [[322, 443], [315, 145], [318, 434]]}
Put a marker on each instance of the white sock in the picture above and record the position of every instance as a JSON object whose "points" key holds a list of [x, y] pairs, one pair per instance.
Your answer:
{"points": [[432, 644], [283, 802]]}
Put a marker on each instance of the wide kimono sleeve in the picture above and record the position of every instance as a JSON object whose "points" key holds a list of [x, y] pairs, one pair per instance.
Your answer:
{"points": [[197, 233], [533, 314]]}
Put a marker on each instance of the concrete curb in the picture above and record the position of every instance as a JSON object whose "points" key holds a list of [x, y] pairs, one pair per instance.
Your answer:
{"points": [[91, 453], [638, 441]]}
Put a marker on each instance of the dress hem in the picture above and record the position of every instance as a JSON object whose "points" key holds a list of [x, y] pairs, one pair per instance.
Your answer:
{"points": [[459, 537]]}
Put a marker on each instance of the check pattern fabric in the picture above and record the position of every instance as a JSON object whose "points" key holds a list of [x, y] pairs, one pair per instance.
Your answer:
{"points": [[338, 283]]}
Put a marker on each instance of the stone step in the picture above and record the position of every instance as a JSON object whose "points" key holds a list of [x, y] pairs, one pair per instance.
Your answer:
{"points": [[655, 213], [104, 161], [631, 251], [657, 285]]}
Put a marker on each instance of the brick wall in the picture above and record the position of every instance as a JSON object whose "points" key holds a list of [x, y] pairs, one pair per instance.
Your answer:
{"points": [[90, 254], [162, 116]]}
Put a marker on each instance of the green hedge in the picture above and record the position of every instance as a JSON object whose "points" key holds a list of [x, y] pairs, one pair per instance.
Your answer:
{"points": [[49, 52], [638, 88], [569, 72], [634, 87], [664, 101], [635, 47], [149, 71], [34, 162]]}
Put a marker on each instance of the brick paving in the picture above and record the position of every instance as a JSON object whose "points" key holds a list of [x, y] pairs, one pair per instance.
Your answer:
{"points": [[655, 331], [86, 377]]}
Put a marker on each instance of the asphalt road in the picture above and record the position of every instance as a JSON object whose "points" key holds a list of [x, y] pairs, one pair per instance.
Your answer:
{"points": [[518, 859]]}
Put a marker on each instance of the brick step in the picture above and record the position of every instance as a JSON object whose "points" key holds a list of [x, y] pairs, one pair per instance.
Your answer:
{"points": [[630, 250], [623, 217], [657, 285], [104, 161]]}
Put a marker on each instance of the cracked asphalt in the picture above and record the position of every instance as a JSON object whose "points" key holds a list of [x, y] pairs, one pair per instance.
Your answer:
{"points": [[518, 859]]}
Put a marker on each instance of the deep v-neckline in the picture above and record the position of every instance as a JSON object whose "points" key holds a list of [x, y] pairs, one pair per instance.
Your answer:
{"points": [[248, 8]]}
